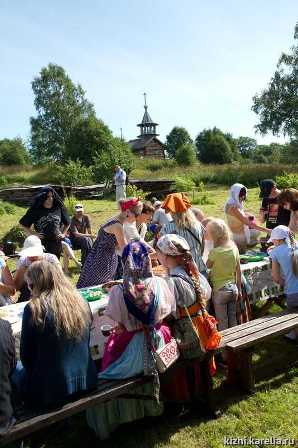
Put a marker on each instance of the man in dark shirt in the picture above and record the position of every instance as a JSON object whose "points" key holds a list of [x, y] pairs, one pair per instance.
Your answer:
{"points": [[271, 212], [80, 232], [7, 364]]}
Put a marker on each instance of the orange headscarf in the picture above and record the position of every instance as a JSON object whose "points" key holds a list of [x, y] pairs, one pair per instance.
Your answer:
{"points": [[176, 203]]}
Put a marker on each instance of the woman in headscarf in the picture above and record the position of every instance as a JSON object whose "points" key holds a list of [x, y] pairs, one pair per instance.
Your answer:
{"points": [[243, 226], [102, 261], [49, 219], [191, 291], [137, 307], [186, 225]]}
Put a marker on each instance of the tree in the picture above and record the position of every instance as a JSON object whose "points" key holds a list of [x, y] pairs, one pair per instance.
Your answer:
{"points": [[185, 155], [119, 153], [60, 104], [13, 152], [212, 147], [89, 137], [246, 146], [74, 173], [233, 145], [176, 138], [277, 106]]}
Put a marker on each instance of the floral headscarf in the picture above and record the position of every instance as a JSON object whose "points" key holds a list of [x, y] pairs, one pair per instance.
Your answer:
{"points": [[139, 296]]}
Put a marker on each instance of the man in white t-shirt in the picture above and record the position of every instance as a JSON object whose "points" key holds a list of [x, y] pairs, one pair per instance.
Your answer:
{"points": [[120, 183], [160, 217]]}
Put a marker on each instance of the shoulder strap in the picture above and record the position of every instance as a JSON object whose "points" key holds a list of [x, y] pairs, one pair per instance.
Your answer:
{"points": [[194, 236]]}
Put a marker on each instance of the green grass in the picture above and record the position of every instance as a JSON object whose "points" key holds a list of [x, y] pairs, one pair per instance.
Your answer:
{"points": [[243, 172], [270, 412]]}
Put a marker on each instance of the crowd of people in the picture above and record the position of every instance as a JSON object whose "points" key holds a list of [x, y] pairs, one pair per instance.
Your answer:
{"points": [[175, 264]]}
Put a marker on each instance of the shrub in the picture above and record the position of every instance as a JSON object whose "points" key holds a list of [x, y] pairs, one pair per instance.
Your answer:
{"points": [[3, 181], [135, 192], [287, 180], [202, 200], [119, 153], [184, 184], [70, 202], [73, 173], [7, 208], [16, 234], [185, 155]]}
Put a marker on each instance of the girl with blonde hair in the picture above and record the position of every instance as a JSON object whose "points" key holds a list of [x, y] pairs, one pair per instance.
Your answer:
{"points": [[225, 275], [54, 351], [185, 225]]}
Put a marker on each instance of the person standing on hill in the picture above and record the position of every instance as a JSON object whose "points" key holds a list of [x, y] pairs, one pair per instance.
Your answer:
{"points": [[120, 183]]}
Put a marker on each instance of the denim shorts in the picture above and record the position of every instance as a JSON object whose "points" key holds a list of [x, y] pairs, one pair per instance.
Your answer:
{"points": [[292, 301]]}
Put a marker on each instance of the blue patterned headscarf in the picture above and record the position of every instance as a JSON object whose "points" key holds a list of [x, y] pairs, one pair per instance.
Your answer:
{"points": [[139, 296]]}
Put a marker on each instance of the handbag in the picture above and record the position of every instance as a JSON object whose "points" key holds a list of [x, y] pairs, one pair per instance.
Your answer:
{"points": [[166, 356], [205, 328]]}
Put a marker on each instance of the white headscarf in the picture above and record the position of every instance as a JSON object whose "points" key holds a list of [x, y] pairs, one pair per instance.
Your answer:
{"points": [[234, 197]]}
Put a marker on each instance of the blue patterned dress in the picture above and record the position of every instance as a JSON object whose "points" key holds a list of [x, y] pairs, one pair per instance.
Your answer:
{"points": [[101, 263]]}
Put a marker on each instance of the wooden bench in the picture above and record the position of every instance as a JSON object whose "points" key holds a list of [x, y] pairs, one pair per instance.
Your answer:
{"points": [[240, 341], [106, 390]]}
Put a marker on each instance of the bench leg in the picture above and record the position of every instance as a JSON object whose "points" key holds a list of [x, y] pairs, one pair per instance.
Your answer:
{"points": [[246, 373], [232, 365]]}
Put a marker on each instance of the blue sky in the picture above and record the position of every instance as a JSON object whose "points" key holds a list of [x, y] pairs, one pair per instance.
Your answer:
{"points": [[200, 62]]}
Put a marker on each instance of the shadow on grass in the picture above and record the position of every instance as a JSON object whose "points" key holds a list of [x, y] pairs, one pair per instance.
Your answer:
{"points": [[275, 363]]}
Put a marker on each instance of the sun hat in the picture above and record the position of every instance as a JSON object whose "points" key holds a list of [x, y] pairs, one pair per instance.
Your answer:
{"points": [[279, 233], [167, 244], [32, 247], [157, 204], [78, 207]]}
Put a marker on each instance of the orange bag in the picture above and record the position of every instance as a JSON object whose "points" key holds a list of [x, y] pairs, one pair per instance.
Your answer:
{"points": [[205, 326]]}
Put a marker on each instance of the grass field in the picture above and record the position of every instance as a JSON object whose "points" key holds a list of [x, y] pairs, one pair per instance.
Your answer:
{"points": [[271, 412]]}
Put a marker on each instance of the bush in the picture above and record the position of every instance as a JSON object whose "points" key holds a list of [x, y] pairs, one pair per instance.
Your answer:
{"points": [[13, 152], [70, 202], [202, 200], [134, 192], [287, 180], [74, 173], [119, 153], [185, 155], [16, 234], [7, 208], [3, 181], [183, 184]]}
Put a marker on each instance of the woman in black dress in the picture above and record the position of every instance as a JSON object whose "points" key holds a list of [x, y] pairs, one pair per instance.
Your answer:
{"points": [[49, 219]]}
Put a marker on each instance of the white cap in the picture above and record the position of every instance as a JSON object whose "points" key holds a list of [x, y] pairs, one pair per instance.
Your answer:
{"points": [[32, 247], [78, 207], [157, 203], [279, 233]]}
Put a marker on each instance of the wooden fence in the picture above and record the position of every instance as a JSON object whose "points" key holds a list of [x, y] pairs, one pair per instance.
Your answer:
{"points": [[24, 195]]}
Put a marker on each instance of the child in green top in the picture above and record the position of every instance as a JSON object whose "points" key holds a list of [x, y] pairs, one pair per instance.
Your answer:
{"points": [[225, 275]]}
